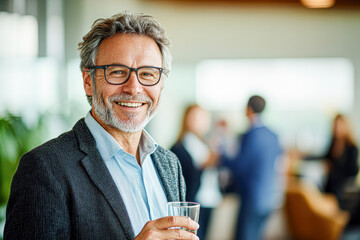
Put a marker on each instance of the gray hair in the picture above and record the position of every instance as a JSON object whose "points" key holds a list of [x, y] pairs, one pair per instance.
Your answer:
{"points": [[123, 23]]}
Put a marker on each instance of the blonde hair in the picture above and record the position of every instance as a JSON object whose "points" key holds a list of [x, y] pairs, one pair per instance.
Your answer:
{"points": [[184, 123]]}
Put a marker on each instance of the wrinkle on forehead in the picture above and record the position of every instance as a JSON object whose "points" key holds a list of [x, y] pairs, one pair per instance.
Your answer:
{"points": [[130, 50]]}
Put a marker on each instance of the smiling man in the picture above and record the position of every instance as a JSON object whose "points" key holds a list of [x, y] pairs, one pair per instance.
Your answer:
{"points": [[127, 90], [106, 178]]}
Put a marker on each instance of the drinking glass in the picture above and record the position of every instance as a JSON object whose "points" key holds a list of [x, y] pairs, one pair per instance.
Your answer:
{"points": [[187, 209]]}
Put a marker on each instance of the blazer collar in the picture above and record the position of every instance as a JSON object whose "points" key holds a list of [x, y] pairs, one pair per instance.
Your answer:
{"points": [[163, 165], [101, 177]]}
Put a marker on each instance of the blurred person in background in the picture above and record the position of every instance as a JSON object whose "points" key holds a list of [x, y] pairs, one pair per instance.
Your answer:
{"points": [[341, 158], [222, 138], [199, 163], [257, 174], [106, 178], [223, 141]]}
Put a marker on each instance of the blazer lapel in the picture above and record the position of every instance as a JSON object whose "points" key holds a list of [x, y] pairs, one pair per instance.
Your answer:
{"points": [[101, 177], [162, 163]]}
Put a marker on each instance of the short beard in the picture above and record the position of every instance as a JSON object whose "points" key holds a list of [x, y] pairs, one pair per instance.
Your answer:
{"points": [[107, 115]]}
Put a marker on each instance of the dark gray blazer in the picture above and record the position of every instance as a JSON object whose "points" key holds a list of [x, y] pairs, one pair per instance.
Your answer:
{"points": [[63, 190]]}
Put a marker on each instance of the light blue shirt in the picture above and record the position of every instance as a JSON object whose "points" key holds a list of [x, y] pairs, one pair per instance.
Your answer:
{"points": [[139, 186]]}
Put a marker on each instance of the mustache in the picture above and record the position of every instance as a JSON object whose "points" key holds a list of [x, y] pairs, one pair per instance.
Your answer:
{"points": [[128, 97]]}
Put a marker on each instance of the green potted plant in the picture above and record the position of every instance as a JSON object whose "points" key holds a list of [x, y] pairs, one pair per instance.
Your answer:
{"points": [[16, 138]]}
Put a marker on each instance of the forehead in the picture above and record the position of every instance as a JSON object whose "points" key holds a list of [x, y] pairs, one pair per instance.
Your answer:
{"points": [[129, 49]]}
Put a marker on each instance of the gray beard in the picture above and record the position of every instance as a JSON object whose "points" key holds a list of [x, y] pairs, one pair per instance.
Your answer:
{"points": [[107, 115]]}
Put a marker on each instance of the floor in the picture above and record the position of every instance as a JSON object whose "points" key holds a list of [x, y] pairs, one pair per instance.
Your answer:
{"points": [[222, 224]]}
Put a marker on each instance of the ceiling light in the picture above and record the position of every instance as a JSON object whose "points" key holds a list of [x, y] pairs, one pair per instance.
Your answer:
{"points": [[318, 3]]}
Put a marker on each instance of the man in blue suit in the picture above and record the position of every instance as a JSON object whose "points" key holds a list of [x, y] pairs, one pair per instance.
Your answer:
{"points": [[256, 174]]}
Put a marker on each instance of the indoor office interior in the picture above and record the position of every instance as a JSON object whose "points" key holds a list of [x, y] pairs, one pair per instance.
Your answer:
{"points": [[303, 58]]}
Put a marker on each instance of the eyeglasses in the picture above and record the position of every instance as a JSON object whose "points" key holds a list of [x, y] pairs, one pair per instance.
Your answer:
{"points": [[119, 74]]}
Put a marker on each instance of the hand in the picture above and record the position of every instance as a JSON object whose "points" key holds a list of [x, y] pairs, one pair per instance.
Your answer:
{"points": [[161, 229]]}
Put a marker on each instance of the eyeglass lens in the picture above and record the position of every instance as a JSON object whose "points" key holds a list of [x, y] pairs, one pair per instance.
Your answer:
{"points": [[119, 74]]}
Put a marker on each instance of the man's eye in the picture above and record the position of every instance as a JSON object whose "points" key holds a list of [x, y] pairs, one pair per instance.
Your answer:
{"points": [[147, 75], [118, 73]]}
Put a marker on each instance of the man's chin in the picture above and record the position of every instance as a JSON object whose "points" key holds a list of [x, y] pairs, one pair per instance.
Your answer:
{"points": [[130, 126], [131, 123]]}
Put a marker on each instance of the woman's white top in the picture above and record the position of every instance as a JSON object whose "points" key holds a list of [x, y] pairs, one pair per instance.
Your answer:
{"points": [[209, 194]]}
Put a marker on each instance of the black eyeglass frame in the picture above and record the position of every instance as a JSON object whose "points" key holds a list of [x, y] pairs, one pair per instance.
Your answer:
{"points": [[104, 67]]}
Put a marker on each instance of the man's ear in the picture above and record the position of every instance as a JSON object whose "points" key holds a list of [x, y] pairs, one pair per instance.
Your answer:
{"points": [[249, 111], [88, 84]]}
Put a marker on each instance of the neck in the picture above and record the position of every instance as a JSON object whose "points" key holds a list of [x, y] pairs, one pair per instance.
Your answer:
{"points": [[253, 118], [129, 142]]}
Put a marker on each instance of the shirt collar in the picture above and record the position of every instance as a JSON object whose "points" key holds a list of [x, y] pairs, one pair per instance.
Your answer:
{"points": [[108, 146], [147, 145]]}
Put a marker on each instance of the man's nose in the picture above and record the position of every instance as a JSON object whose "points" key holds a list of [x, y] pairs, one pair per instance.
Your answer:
{"points": [[132, 85]]}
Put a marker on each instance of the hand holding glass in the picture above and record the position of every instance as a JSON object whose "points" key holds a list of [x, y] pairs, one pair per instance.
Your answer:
{"points": [[187, 209]]}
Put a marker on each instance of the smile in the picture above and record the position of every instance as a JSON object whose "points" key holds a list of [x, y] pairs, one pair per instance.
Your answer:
{"points": [[130, 104]]}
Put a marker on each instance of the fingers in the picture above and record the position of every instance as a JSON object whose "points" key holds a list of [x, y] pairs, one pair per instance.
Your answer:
{"points": [[181, 234], [176, 221], [169, 228], [167, 234]]}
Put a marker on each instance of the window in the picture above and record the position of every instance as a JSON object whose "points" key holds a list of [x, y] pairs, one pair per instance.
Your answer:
{"points": [[21, 38], [302, 94]]}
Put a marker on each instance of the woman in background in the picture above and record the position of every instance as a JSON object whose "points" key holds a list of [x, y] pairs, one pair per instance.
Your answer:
{"points": [[198, 163], [341, 158]]}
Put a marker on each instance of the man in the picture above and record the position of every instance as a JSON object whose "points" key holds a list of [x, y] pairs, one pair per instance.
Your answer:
{"points": [[106, 178], [256, 174]]}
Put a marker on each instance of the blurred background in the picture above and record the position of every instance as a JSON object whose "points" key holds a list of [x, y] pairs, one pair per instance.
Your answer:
{"points": [[304, 59]]}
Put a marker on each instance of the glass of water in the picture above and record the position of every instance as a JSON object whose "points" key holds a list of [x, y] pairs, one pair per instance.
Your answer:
{"points": [[187, 209]]}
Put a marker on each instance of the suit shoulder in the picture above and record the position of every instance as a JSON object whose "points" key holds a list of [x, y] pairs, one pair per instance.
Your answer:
{"points": [[178, 149], [264, 131], [63, 141], [55, 152]]}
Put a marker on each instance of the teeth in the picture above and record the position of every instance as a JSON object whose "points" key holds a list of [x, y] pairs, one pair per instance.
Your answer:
{"points": [[128, 104]]}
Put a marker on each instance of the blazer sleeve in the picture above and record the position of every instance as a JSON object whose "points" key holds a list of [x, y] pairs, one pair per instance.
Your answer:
{"points": [[37, 205]]}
